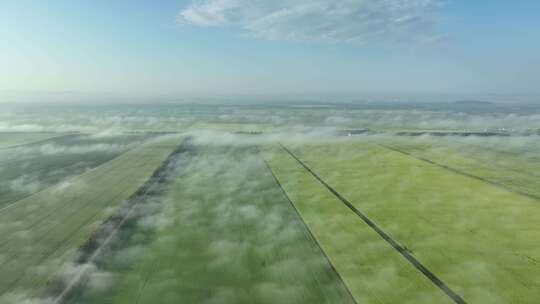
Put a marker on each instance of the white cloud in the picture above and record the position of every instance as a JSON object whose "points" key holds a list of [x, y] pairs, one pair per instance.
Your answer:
{"points": [[354, 21]]}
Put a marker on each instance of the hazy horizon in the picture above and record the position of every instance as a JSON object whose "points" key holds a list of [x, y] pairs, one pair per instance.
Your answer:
{"points": [[422, 50]]}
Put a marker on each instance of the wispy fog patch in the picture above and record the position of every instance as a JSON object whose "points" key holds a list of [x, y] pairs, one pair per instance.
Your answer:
{"points": [[223, 207], [5, 127], [108, 133], [296, 134], [24, 183]]}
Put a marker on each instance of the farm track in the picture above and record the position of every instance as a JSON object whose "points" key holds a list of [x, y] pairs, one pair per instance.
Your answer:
{"points": [[485, 180], [311, 236], [399, 248]]}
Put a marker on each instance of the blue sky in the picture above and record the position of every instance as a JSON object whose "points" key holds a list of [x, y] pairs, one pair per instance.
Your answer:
{"points": [[349, 49]]}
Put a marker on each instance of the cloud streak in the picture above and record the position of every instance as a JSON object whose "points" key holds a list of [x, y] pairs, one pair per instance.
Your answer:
{"points": [[350, 21]]}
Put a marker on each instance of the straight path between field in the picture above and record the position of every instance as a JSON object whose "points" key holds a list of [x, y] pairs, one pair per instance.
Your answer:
{"points": [[403, 251]]}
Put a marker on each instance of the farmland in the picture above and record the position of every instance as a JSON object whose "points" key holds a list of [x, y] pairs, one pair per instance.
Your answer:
{"points": [[226, 234], [41, 232], [29, 168], [267, 205], [452, 232]]}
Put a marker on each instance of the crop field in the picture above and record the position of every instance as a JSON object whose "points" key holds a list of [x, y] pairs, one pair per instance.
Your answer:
{"points": [[267, 205], [43, 231], [226, 234], [474, 236], [513, 163], [27, 169]]}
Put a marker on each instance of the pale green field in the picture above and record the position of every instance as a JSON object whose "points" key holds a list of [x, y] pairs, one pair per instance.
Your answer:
{"points": [[477, 238], [371, 268], [41, 233], [502, 161]]}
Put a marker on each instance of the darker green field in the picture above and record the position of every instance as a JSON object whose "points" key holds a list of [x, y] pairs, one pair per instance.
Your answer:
{"points": [[296, 204], [225, 233]]}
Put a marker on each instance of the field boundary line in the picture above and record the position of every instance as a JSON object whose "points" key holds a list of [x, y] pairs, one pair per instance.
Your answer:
{"points": [[278, 183], [399, 248], [463, 173]]}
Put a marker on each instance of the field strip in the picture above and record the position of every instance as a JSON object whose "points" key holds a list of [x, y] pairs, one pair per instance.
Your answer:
{"points": [[485, 180], [135, 197], [72, 213], [306, 226], [226, 234], [157, 177], [111, 162], [71, 208], [59, 244], [89, 175], [403, 251]]}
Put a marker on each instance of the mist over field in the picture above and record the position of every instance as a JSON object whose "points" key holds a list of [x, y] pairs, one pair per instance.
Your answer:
{"points": [[269, 152], [215, 204]]}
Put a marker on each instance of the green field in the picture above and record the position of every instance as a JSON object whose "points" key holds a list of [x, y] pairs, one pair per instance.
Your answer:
{"points": [[268, 204], [29, 168], [41, 234], [474, 236], [513, 163], [227, 234]]}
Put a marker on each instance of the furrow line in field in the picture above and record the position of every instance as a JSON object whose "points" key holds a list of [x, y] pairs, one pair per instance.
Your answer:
{"points": [[399, 248]]}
